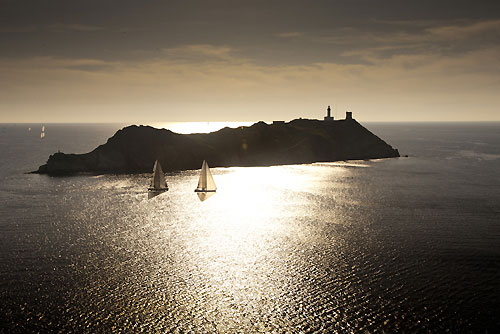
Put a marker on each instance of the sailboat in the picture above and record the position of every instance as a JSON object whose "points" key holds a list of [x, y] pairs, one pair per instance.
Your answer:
{"points": [[158, 182], [42, 135], [206, 185]]}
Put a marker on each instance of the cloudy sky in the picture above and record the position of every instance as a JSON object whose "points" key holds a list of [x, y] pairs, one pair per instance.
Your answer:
{"points": [[238, 60]]}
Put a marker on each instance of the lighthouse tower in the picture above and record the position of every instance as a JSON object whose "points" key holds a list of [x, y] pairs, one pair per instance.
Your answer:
{"points": [[328, 116]]}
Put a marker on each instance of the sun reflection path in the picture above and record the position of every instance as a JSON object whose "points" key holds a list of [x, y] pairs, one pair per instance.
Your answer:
{"points": [[238, 262], [236, 249]]}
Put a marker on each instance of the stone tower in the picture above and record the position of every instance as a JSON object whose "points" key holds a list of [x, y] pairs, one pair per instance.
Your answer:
{"points": [[328, 116]]}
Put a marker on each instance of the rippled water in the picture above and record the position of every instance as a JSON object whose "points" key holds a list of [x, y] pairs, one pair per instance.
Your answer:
{"points": [[394, 245]]}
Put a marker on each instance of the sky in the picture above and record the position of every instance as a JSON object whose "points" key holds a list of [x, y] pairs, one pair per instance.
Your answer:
{"points": [[149, 61]]}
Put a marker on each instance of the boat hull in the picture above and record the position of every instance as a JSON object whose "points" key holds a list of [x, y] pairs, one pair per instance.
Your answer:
{"points": [[155, 190], [152, 192]]}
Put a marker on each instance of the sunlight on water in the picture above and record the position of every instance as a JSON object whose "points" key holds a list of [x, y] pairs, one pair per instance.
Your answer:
{"points": [[231, 250], [392, 245], [198, 127], [234, 262]]}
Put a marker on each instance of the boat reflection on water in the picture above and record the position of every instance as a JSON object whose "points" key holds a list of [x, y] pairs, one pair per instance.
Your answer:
{"points": [[158, 182], [153, 194], [204, 195], [238, 257], [345, 247], [206, 184]]}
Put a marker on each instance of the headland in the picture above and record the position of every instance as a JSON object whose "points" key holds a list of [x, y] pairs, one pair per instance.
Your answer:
{"points": [[134, 149]]}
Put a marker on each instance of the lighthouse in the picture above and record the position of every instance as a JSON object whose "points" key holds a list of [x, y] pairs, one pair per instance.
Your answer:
{"points": [[328, 116]]}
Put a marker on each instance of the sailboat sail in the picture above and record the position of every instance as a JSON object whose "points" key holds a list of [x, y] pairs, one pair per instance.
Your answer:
{"points": [[206, 181], [158, 181], [42, 134]]}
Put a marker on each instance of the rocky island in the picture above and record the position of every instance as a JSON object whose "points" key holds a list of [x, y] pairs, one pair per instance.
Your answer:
{"points": [[134, 149]]}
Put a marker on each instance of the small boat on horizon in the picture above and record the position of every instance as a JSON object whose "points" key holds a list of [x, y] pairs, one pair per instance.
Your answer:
{"points": [[42, 134], [206, 185], [158, 182]]}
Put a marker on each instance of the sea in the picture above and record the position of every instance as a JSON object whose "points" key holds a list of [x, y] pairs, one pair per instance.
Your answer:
{"points": [[404, 245]]}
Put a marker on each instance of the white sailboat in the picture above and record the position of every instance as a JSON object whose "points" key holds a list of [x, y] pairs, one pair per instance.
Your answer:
{"points": [[158, 182], [206, 185], [42, 134]]}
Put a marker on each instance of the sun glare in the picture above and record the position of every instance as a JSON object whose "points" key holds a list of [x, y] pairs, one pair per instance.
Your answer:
{"points": [[198, 127]]}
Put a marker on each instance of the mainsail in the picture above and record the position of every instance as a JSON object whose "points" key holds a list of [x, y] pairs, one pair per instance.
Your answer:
{"points": [[206, 181], [42, 135], [158, 182]]}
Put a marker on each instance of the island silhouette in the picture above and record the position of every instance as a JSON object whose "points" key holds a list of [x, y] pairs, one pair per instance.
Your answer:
{"points": [[134, 149]]}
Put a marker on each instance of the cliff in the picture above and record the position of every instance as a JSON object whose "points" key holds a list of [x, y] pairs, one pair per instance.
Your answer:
{"points": [[134, 149]]}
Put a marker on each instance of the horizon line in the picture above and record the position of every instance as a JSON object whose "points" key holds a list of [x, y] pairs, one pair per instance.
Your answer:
{"points": [[242, 121]]}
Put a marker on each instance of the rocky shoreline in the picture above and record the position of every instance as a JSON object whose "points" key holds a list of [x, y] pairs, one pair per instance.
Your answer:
{"points": [[134, 149]]}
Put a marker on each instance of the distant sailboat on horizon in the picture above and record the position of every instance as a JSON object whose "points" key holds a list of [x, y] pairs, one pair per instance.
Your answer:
{"points": [[42, 134], [158, 182], [206, 185]]}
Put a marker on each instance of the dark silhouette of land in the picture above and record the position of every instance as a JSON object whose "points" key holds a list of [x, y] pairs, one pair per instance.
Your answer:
{"points": [[134, 149]]}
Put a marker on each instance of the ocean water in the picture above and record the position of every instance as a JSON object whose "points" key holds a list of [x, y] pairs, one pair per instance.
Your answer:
{"points": [[402, 245]]}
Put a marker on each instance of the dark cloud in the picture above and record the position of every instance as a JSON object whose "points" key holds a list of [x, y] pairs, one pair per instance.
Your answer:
{"points": [[304, 31], [380, 56]]}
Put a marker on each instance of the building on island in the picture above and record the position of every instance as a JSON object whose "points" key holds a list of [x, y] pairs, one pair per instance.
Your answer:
{"points": [[328, 116]]}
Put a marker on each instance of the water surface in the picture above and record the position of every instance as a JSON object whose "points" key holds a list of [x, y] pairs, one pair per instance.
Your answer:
{"points": [[394, 245]]}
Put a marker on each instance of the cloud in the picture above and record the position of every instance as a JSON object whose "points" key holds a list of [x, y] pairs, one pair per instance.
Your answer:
{"points": [[402, 87], [447, 32], [293, 34], [443, 32], [407, 23], [358, 43], [200, 53], [59, 27], [87, 65], [19, 29]]}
